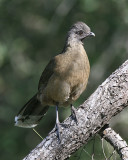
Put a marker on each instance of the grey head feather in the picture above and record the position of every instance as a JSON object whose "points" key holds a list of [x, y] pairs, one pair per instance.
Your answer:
{"points": [[77, 33]]}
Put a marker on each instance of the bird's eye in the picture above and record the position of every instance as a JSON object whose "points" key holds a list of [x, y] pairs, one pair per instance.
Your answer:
{"points": [[80, 32]]}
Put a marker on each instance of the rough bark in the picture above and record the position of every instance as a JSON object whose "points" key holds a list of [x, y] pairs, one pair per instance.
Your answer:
{"points": [[116, 141], [110, 98]]}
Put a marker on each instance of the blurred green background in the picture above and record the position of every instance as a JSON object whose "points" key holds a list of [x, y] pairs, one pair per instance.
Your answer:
{"points": [[31, 33]]}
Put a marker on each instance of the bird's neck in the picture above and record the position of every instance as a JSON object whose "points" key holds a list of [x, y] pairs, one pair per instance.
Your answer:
{"points": [[73, 43]]}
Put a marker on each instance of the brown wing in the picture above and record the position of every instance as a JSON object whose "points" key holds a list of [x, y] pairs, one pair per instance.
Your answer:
{"points": [[47, 73]]}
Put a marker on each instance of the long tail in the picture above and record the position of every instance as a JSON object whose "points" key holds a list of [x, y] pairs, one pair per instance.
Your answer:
{"points": [[31, 113]]}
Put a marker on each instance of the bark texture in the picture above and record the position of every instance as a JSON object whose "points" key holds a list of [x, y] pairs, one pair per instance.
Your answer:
{"points": [[116, 141], [110, 98]]}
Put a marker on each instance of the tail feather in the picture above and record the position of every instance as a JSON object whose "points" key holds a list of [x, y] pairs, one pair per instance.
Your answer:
{"points": [[31, 113]]}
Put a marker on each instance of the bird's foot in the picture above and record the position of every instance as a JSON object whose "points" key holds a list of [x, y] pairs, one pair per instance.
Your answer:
{"points": [[59, 131], [74, 115]]}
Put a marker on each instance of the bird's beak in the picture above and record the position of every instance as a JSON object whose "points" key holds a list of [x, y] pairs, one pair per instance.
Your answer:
{"points": [[92, 34], [88, 35]]}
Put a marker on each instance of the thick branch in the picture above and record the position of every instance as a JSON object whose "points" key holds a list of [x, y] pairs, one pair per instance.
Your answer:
{"points": [[110, 98], [116, 141]]}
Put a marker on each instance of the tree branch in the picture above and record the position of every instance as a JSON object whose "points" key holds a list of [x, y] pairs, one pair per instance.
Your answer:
{"points": [[116, 141], [110, 98]]}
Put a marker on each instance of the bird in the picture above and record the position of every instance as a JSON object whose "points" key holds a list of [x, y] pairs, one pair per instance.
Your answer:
{"points": [[62, 82]]}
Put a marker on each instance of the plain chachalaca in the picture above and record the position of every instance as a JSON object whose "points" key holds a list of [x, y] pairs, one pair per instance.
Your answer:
{"points": [[62, 81]]}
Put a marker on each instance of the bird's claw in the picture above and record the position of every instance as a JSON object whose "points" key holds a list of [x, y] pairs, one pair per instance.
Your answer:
{"points": [[74, 115]]}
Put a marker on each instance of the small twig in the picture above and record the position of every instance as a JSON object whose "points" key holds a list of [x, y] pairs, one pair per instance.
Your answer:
{"points": [[93, 148], [111, 154], [102, 140], [116, 141], [87, 153], [37, 133], [108, 148]]}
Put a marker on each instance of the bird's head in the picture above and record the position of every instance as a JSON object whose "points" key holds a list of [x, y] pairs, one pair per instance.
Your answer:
{"points": [[80, 31]]}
